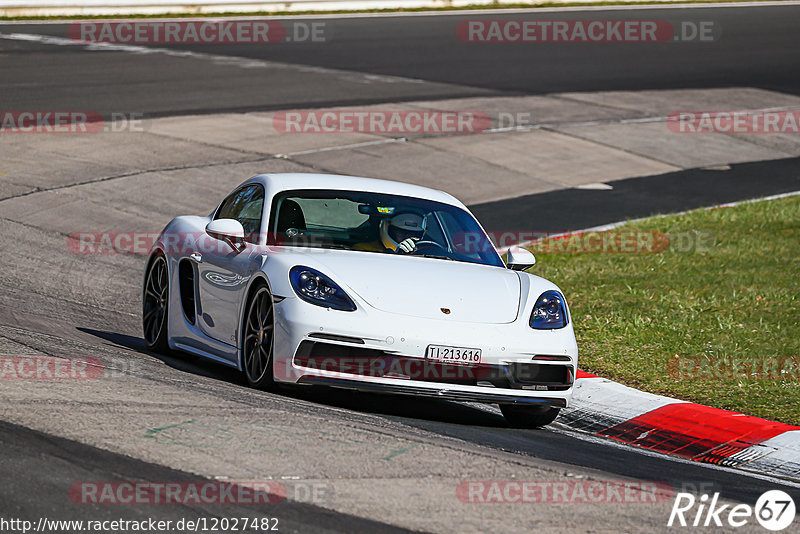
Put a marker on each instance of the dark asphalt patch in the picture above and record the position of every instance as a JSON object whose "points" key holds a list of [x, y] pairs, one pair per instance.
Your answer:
{"points": [[576, 209], [38, 471]]}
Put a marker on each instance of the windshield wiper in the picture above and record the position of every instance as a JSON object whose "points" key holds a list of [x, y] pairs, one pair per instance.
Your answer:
{"points": [[302, 244], [434, 256]]}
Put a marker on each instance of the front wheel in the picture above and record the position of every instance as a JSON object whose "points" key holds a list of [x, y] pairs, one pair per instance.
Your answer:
{"points": [[155, 305], [528, 416], [257, 339]]}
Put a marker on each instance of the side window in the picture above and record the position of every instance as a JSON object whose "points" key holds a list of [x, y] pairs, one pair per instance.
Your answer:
{"points": [[246, 206]]}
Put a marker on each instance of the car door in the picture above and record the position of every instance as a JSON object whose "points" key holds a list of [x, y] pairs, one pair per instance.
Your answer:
{"points": [[225, 272]]}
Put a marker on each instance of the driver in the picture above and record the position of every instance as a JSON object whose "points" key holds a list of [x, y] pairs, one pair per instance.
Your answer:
{"points": [[401, 232]]}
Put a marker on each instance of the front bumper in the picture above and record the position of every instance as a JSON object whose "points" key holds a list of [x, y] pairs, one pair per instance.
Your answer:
{"points": [[377, 335]]}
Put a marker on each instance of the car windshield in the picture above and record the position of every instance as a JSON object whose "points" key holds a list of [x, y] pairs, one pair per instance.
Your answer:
{"points": [[379, 223]]}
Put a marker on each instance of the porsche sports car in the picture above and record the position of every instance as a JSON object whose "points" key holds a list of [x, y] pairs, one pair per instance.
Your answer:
{"points": [[364, 284]]}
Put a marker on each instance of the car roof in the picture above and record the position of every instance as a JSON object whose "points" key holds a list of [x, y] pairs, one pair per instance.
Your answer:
{"points": [[293, 181]]}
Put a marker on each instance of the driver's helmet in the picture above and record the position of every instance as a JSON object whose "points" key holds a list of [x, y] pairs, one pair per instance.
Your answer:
{"points": [[400, 227]]}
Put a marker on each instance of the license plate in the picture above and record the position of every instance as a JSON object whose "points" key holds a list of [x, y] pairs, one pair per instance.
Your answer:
{"points": [[443, 353]]}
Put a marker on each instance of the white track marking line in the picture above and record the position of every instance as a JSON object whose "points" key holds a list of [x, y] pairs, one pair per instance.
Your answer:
{"points": [[236, 61], [342, 147], [639, 120]]}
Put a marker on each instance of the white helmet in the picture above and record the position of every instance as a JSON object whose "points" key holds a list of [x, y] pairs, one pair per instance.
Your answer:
{"points": [[400, 227]]}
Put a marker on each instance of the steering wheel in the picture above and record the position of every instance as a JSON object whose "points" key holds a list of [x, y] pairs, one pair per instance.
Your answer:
{"points": [[428, 243]]}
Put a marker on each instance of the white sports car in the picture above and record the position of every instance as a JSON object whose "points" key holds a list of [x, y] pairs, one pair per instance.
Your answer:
{"points": [[363, 284]]}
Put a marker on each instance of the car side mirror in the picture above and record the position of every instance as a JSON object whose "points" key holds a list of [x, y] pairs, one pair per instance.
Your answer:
{"points": [[519, 259], [230, 231]]}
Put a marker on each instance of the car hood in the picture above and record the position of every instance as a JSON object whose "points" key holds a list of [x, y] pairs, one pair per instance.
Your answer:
{"points": [[426, 287]]}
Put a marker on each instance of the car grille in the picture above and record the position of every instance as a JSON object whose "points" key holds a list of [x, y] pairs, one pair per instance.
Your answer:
{"points": [[381, 364]]}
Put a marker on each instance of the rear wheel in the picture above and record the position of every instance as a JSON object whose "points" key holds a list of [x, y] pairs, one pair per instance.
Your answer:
{"points": [[257, 339], [155, 305], [528, 416]]}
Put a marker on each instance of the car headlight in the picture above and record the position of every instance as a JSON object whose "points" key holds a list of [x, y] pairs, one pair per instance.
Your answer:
{"points": [[316, 288], [549, 312]]}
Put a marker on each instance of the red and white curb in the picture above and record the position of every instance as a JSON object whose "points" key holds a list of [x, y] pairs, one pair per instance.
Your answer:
{"points": [[671, 426], [685, 429]]}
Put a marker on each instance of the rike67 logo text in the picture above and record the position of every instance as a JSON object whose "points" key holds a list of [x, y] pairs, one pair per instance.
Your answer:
{"points": [[774, 510]]}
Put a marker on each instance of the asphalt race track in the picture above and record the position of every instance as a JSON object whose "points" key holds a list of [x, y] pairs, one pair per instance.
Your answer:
{"points": [[757, 48], [174, 418], [37, 467]]}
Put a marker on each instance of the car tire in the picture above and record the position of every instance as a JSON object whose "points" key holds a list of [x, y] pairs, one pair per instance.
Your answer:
{"points": [[257, 340], [155, 305], [528, 416]]}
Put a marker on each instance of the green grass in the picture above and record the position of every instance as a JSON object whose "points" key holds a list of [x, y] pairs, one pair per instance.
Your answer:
{"points": [[736, 297], [520, 5]]}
